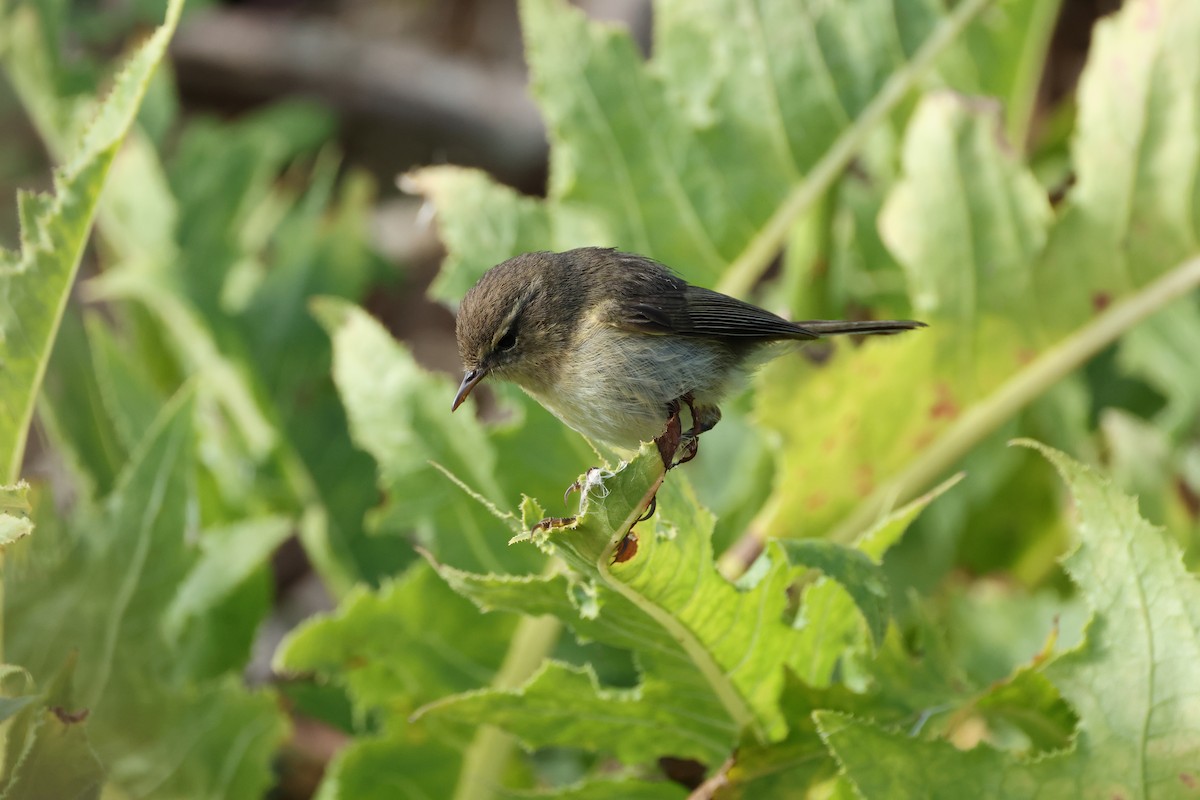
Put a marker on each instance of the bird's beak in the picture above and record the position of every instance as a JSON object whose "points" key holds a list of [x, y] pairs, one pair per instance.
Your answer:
{"points": [[469, 380]]}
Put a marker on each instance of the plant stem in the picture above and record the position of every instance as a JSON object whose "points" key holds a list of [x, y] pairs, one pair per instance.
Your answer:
{"points": [[988, 414], [755, 258], [1032, 62], [489, 752]]}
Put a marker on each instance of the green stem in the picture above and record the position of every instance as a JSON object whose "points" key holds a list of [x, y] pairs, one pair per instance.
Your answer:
{"points": [[992, 411], [487, 756], [758, 253], [1023, 97]]}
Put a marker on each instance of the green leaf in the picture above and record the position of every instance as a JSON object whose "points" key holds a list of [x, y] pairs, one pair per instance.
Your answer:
{"points": [[16, 693], [675, 685], [103, 598], [1132, 212], [219, 250], [1030, 703], [967, 273], [1147, 615], [47, 751], [128, 392], [996, 349], [708, 153], [967, 245], [889, 764], [229, 555], [711, 655], [613, 789], [391, 767], [400, 414], [565, 705], [73, 410], [14, 526], [405, 644], [677, 594], [1159, 352], [477, 215], [35, 283], [400, 646], [132, 561], [688, 719], [792, 767], [1139, 461], [919, 685], [179, 254], [851, 594], [1003, 56], [1136, 736], [868, 586]]}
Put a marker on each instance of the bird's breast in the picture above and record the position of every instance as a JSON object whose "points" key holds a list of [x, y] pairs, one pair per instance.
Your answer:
{"points": [[616, 386]]}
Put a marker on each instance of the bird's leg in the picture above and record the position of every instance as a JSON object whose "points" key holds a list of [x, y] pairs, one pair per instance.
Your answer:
{"points": [[668, 446], [673, 440]]}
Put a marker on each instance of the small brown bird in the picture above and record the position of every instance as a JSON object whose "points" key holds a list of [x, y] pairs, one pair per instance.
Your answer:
{"points": [[615, 344]]}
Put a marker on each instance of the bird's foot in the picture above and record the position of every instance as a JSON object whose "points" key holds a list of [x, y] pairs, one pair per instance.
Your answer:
{"points": [[689, 446], [591, 482]]}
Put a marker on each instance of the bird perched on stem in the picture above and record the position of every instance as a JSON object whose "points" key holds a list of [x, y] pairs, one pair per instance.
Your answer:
{"points": [[616, 345]]}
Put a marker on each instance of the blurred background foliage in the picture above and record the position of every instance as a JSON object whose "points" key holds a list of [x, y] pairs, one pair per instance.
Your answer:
{"points": [[244, 418]]}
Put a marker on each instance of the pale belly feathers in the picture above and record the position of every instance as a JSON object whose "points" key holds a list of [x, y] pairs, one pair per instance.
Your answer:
{"points": [[617, 386]]}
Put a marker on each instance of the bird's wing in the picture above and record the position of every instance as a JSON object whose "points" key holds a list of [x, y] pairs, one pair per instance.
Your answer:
{"points": [[684, 310]]}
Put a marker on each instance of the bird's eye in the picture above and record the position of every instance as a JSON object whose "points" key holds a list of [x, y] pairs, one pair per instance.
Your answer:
{"points": [[508, 341]]}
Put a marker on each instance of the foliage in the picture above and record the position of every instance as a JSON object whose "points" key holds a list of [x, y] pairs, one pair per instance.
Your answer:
{"points": [[147, 573], [817, 607]]}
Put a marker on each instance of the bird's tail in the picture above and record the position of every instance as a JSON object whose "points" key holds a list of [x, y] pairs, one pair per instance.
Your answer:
{"points": [[829, 327]]}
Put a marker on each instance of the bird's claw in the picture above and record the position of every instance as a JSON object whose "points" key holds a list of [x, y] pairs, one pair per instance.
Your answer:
{"points": [[689, 447], [650, 509]]}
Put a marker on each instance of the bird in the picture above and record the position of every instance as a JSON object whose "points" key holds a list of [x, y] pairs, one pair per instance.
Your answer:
{"points": [[616, 344]]}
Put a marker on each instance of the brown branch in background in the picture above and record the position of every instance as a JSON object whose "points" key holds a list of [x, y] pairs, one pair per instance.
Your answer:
{"points": [[475, 107]]}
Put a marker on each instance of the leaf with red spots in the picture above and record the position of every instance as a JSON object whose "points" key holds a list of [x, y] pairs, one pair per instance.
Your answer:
{"points": [[1018, 295]]}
